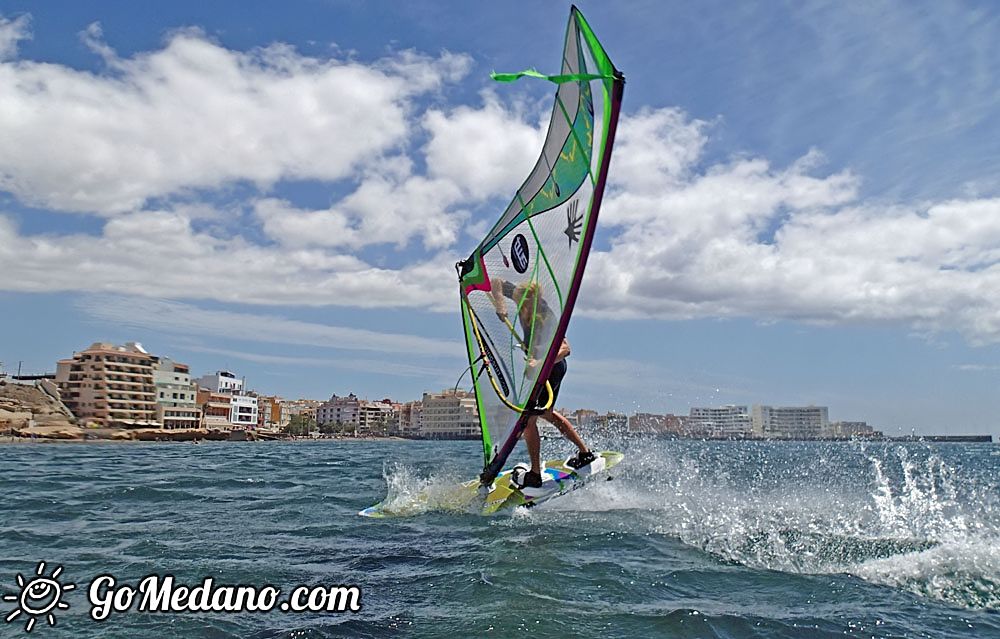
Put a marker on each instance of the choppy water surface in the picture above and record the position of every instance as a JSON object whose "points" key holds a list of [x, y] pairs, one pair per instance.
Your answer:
{"points": [[692, 539]]}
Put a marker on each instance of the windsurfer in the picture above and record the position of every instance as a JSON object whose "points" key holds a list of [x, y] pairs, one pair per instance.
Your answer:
{"points": [[534, 316]]}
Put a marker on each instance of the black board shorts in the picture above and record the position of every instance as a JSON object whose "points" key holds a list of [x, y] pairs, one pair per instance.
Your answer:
{"points": [[542, 398]]}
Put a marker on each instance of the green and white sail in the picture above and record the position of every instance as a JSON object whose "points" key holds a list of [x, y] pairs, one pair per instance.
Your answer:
{"points": [[519, 285]]}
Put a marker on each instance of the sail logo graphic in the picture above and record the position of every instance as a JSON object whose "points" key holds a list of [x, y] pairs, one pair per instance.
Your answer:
{"points": [[519, 253], [39, 596], [574, 221], [495, 369]]}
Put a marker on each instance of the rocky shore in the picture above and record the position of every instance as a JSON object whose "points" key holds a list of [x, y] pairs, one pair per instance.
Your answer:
{"points": [[31, 411]]}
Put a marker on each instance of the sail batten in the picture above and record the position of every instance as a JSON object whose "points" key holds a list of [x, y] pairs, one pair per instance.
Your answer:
{"points": [[519, 286]]}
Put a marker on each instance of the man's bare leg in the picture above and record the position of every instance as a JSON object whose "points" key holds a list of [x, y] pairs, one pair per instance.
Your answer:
{"points": [[533, 442], [564, 427]]}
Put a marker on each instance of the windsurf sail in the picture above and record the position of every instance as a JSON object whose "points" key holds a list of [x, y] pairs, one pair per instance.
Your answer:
{"points": [[519, 286]]}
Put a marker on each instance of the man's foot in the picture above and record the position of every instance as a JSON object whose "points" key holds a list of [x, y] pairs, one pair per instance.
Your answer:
{"points": [[531, 479], [582, 459]]}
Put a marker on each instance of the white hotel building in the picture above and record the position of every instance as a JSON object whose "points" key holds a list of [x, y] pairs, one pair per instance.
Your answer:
{"points": [[449, 415], [722, 421], [790, 422]]}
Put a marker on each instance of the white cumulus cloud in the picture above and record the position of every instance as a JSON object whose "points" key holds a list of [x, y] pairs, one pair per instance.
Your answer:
{"points": [[160, 254], [195, 115], [12, 32], [487, 151], [744, 238]]}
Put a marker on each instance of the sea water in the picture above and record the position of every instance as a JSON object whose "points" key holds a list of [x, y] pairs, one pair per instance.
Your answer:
{"points": [[691, 539]]}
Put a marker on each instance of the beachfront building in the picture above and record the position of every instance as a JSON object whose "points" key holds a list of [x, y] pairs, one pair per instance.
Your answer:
{"points": [[243, 411], [659, 424], [176, 395], [449, 414], [268, 412], [852, 429], [408, 424], [243, 408], [610, 421], [359, 416], [344, 412], [581, 416], [109, 385], [221, 382], [215, 409], [721, 421], [379, 417], [790, 422], [308, 409]]}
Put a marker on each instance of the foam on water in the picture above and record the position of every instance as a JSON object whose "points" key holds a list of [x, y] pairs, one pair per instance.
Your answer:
{"points": [[410, 493], [962, 572], [897, 516]]}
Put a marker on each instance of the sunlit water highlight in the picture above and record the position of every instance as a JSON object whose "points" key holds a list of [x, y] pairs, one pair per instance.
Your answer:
{"points": [[691, 539]]}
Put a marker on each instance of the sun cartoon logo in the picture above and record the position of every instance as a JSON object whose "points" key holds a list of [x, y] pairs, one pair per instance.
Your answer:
{"points": [[39, 596]]}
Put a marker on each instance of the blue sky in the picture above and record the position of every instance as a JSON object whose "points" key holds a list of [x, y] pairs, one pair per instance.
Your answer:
{"points": [[804, 202]]}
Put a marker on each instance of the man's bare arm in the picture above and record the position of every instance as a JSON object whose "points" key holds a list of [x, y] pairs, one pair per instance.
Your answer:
{"points": [[564, 350], [496, 295]]}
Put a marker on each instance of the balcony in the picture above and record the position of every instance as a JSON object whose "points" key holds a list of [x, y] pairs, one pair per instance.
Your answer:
{"points": [[130, 401]]}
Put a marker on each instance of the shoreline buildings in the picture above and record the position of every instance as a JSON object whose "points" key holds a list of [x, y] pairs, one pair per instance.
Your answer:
{"points": [[225, 388], [112, 386], [360, 416], [126, 387]]}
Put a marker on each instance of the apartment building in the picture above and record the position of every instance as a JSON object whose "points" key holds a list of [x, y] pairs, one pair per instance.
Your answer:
{"points": [[581, 416], [176, 395], [243, 408], [110, 385], [216, 409], [721, 421], [307, 408], [653, 423], [345, 411], [594, 421], [449, 414], [852, 429], [379, 417], [790, 422], [268, 412], [243, 411], [221, 382], [409, 421]]}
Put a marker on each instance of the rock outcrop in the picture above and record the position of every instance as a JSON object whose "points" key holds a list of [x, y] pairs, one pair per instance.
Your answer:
{"points": [[29, 411]]}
